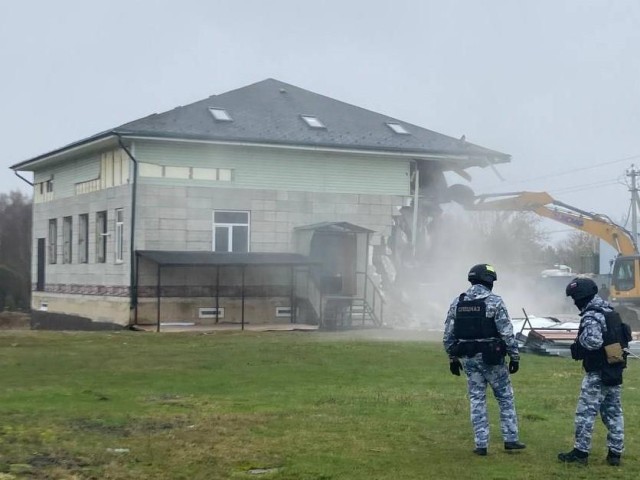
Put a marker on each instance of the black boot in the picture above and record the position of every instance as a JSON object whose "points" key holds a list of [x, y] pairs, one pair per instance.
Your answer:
{"points": [[613, 459], [574, 456], [514, 445], [482, 451]]}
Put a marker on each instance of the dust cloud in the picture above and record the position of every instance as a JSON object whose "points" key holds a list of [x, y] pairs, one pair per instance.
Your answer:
{"points": [[423, 289]]}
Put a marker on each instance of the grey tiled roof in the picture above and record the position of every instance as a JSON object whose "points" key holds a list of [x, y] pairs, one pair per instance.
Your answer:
{"points": [[270, 112]]}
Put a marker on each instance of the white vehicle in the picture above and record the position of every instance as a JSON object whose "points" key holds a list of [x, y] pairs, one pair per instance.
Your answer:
{"points": [[557, 271]]}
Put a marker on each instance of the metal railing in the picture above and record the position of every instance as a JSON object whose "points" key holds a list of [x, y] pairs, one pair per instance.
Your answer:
{"points": [[366, 306]]}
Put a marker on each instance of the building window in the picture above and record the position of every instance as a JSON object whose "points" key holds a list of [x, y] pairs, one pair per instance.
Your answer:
{"points": [[150, 170], [53, 240], [283, 312], [114, 169], [186, 173], [67, 238], [397, 128], [220, 114], [43, 191], [101, 237], [211, 312], [312, 121], [83, 236], [230, 231], [177, 172], [119, 235], [225, 174]]}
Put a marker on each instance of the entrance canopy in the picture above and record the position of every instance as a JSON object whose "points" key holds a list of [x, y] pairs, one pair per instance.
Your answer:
{"points": [[168, 259], [184, 258]]}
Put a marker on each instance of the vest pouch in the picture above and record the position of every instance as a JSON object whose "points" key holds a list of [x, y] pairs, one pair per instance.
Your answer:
{"points": [[614, 352], [611, 375], [467, 349], [493, 352]]}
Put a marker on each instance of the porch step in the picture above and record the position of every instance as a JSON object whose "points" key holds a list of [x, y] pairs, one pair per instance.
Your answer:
{"points": [[347, 312]]}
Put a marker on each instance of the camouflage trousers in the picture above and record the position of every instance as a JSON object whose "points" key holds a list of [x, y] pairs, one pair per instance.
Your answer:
{"points": [[479, 374], [596, 397]]}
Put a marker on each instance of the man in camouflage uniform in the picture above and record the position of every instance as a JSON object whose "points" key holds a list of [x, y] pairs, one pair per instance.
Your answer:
{"points": [[595, 395], [479, 332]]}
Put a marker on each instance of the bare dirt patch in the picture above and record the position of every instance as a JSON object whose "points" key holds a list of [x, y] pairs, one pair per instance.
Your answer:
{"points": [[15, 321]]}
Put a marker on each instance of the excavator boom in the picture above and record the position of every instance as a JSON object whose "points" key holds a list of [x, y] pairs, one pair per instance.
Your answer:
{"points": [[544, 205], [625, 279]]}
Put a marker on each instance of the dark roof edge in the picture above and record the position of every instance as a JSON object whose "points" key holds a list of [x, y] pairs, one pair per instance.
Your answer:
{"points": [[481, 153], [70, 146]]}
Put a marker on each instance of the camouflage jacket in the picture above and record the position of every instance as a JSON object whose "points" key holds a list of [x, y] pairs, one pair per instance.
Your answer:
{"points": [[593, 323]]}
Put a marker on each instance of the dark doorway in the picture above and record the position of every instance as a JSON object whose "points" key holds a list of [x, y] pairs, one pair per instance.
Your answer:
{"points": [[41, 264], [337, 254]]}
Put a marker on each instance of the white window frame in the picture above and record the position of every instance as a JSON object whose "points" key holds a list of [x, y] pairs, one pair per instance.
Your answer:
{"points": [[101, 236], [397, 128], [283, 312], [229, 227], [220, 114], [119, 235], [312, 121], [210, 312]]}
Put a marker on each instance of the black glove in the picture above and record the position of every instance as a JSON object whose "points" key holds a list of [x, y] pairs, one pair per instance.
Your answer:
{"points": [[514, 366], [577, 352], [455, 366]]}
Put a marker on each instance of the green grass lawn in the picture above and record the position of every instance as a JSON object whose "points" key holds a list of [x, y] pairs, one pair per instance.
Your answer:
{"points": [[133, 405]]}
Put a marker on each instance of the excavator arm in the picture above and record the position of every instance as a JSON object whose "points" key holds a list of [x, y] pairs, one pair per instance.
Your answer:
{"points": [[544, 205], [625, 280]]}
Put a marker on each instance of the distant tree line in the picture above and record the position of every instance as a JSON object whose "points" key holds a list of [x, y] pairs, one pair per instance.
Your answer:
{"points": [[15, 251], [516, 239]]}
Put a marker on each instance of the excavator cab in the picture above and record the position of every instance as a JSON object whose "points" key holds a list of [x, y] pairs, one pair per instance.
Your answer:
{"points": [[623, 278]]}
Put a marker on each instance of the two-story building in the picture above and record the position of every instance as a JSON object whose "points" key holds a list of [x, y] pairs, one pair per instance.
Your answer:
{"points": [[244, 206]]}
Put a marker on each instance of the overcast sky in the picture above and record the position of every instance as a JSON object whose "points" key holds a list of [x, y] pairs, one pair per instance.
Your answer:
{"points": [[554, 83]]}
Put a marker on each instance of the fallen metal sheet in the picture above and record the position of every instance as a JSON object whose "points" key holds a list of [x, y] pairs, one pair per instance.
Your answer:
{"points": [[554, 335], [550, 341]]}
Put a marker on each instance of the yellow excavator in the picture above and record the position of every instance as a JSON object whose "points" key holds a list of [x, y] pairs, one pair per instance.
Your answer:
{"points": [[624, 292]]}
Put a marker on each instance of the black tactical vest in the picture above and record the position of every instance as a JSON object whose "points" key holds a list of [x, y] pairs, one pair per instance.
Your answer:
{"points": [[617, 332], [471, 321]]}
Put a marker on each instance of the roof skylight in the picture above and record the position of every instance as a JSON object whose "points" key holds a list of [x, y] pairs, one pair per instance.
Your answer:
{"points": [[220, 114], [397, 128], [313, 121]]}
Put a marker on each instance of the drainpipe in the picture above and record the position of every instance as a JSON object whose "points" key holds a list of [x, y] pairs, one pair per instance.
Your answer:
{"points": [[22, 178], [133, 284], [416, 189]]}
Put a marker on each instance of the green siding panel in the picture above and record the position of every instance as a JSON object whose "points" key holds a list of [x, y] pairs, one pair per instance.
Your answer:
{"points": [[282, 169], [67, 174]]}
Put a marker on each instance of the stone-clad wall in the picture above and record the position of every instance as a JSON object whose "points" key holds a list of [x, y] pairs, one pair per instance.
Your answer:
{"points": [[181, 218]]}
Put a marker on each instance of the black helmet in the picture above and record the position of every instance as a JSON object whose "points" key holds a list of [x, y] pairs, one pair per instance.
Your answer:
{"points": [[581, 287], [482, 272]]}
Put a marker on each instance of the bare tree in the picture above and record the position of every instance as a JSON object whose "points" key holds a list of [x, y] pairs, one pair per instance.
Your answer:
{"points": [[15, 250], [512, 238], [579, 251]]}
